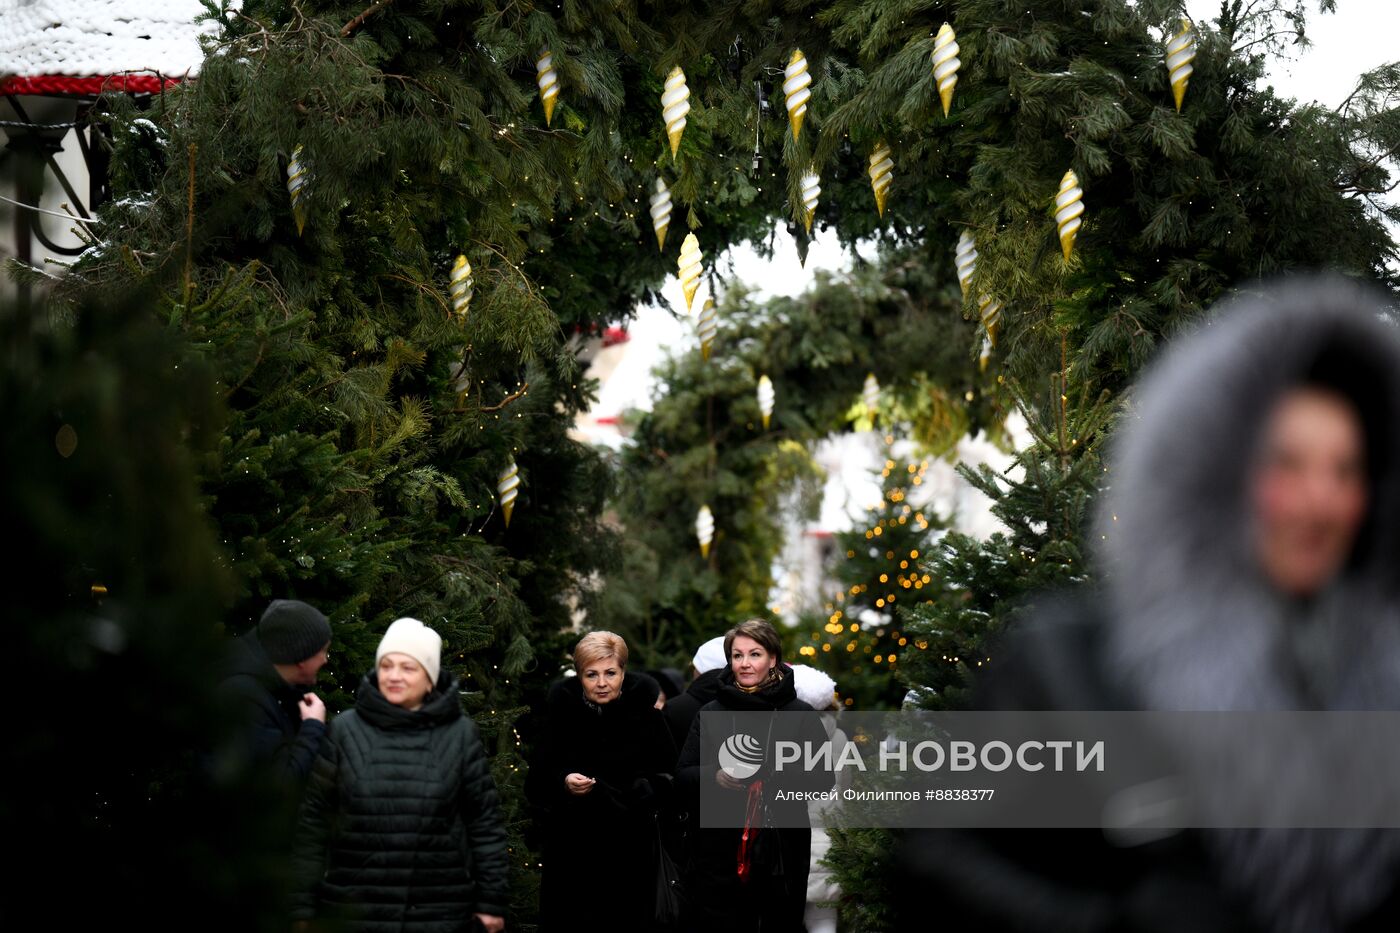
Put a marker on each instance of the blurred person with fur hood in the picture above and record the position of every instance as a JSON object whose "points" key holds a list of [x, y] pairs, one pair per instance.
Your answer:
{"points": [[1248, 548]]}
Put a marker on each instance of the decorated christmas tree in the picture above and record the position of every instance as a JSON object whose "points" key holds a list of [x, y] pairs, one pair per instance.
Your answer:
{"points": [[864, 640]]}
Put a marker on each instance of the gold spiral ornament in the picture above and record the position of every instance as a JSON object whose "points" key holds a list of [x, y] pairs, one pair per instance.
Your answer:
{"points": [[675, 104], [1069, 207], [946, 65], [298, 177], [705, 529], [508, 488], [985, 356], [460, 285], [881, 174], [966, 260], [811, 192], [707, 327], [870, 394], [661, 212], [1181, 51], [797, 88], [989, 309], [689, 268], [766, 399], [548, 80]]}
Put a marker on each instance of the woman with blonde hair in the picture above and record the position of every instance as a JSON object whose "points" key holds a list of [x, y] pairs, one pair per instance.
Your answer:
{"points": [[601, 770]]}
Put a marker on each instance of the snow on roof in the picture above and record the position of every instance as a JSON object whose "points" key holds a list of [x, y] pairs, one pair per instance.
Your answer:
{"points": [[46, 39]]}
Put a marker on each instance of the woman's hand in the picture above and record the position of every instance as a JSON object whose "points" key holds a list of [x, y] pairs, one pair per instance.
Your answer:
{"points": [[723, 779], [492, 923], [576, 784]]}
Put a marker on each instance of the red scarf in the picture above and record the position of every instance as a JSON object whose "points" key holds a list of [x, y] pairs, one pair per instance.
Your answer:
{"points": [[752, 825]]}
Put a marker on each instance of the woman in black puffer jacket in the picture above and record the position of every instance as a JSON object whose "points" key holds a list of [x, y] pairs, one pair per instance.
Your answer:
{"points": [[761, 886], [401, 827], [601, 771]]}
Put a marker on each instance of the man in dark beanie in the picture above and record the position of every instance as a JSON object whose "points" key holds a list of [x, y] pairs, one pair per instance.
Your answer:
{"points": [[274, 668]]}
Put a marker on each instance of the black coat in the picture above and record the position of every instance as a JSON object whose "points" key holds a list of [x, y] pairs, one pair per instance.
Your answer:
{"points": [[680, 711], [401, 827], [269, 706], [774, 900], [998, 881], [600, 847]]}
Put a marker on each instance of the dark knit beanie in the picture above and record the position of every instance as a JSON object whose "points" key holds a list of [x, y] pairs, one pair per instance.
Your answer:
{"points": [[292, 631]]}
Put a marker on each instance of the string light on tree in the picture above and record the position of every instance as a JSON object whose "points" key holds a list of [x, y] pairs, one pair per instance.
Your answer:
{"points": [[548, 80], [946, 65], [508, 488], [298, 177], [460, 286], [689, 268], [766, 398], [661, 212], [705, 530], [675, 104], [966, 260], [881, 174], [797, 82], [706, 327], [1181, 52], [1069, 207]]}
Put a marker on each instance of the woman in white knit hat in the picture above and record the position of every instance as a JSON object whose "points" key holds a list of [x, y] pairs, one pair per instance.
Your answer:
{"points": [[401, 827]]}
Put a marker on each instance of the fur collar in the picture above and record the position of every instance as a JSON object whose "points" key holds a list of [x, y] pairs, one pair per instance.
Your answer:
{"points": [[1193, 625]]}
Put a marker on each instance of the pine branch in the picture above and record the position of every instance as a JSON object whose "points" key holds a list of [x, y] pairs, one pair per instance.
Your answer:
{"points": [[359, 21], [508, 399], [189, 227]]}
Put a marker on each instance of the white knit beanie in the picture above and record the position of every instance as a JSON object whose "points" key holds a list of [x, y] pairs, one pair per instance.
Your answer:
{"points": [[413, 638], [710, 655], [814, 687]]}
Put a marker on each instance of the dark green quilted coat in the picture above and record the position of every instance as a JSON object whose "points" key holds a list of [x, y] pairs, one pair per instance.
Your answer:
{"points": [[401, 826]]}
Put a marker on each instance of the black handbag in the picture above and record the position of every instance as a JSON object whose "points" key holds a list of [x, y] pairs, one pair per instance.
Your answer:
{"points": [[669, 900]]}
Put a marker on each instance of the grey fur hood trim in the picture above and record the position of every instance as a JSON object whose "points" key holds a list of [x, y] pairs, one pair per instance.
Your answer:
{"points": [[1193, 624]]}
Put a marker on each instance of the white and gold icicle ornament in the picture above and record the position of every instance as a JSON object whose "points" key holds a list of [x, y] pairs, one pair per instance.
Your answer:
{"points": [[675, 104], [811, 191], [661, 212], [548, 80], [990, 311], [297, 179], [966, 260], [870, 394], [689, 268], [797, 83], [766, 398], [460, 286], [706, 327], [946, 65], [1069, 206], [507, 487], [985, 356], [705, 530], [881, 174], [1181, 51]]}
